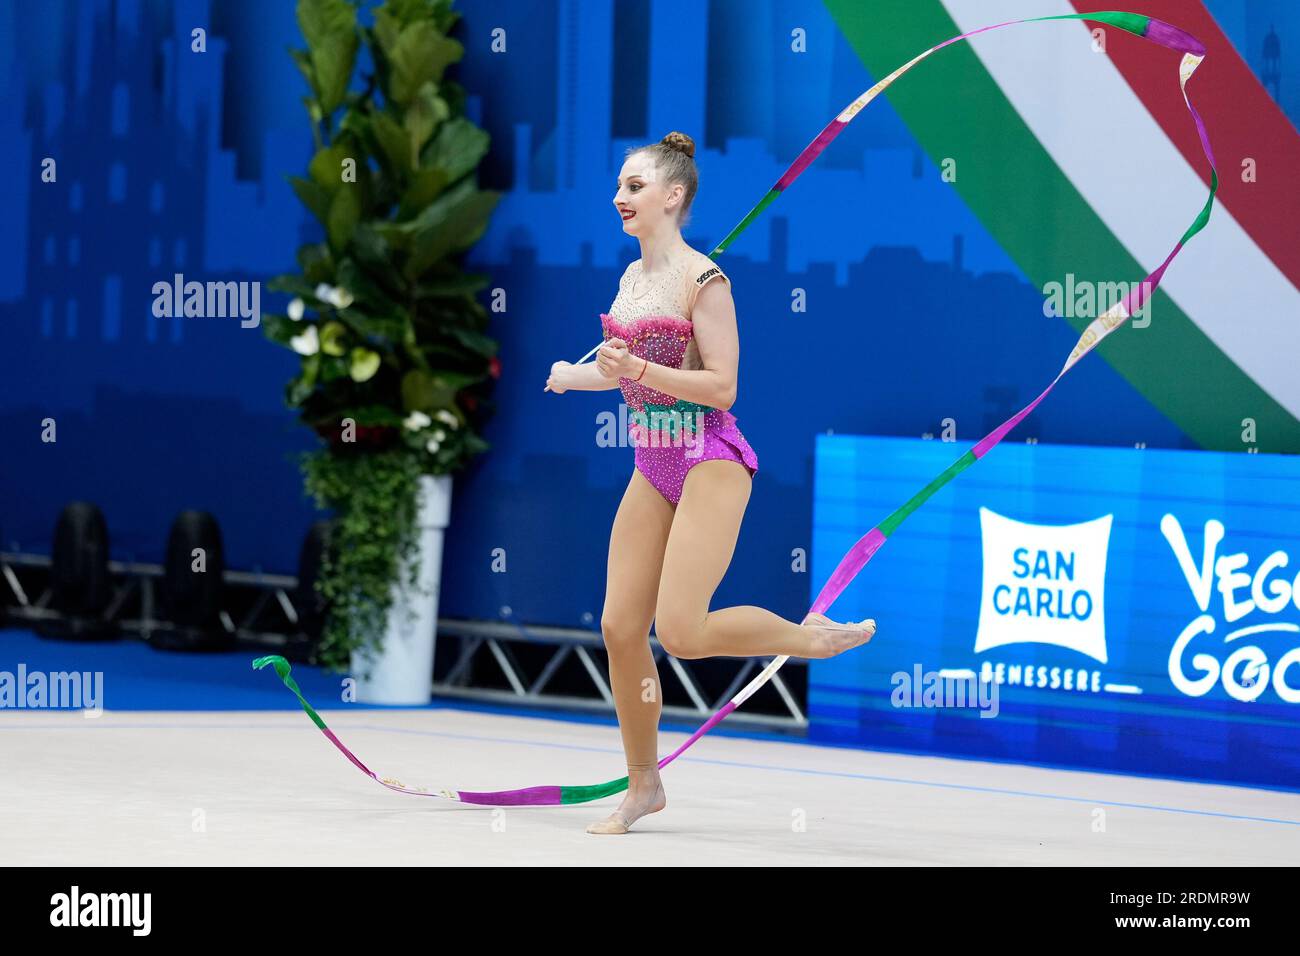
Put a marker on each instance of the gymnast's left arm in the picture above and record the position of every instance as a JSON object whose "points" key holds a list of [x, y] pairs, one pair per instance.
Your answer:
{"points": [[717, 338]]}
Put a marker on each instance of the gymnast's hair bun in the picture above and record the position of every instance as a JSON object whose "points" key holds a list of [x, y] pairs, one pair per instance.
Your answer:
{"points": [[680, 142]]}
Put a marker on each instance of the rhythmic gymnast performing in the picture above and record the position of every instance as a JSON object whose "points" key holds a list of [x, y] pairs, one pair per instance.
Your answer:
{"points": [[672, 348], [670, 342]]}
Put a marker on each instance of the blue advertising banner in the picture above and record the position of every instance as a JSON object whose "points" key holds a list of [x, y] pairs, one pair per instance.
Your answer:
{"points": [[1133, 610]]}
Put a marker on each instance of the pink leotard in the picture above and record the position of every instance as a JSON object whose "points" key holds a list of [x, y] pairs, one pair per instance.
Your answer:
{"points": [[670, 435]]}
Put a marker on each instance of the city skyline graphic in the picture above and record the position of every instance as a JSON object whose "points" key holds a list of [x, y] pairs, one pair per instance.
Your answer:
{"points": [[171, 161]]}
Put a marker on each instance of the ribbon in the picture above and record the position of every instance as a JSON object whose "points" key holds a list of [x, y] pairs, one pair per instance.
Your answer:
{"points": [[1148, 28]]}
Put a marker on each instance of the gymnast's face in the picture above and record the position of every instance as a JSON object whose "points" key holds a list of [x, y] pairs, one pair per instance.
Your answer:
{"points": [[643, 200]]}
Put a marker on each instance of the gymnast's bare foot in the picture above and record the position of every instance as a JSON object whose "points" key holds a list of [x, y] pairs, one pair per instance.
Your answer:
{"points": [[645, 794], [830, 638]]}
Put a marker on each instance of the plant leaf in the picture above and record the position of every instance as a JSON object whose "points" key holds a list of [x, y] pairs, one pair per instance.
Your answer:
{"points": [[332, 338], [298, 389], [388, 27], [418, 393], [461, 225], [422, 117], [395, 234], [420, 54], [373, 415], [316, 199], [390, 329], [427, 392], [326, 167], [364, 364], [330, 28], [366, 292], [279, 328], [296, 285], [394, 145], [313, 109], [345, 213], [371, 249], [317, 264], [475, 341], [332, 367], [457, 148], [426, 186], [303, 62]]}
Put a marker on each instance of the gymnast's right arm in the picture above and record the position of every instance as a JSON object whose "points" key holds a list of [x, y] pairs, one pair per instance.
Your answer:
{"points": [[585, 378]]}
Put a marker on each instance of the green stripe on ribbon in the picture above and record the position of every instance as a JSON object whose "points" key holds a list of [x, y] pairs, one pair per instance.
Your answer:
{"points": [[282, 669], [948, 474]]}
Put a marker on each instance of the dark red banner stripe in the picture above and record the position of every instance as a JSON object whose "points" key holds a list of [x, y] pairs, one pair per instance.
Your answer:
{"points": [[1245, 120]]}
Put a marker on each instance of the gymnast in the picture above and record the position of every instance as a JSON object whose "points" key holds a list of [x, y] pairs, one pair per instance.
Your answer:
{"points": [[672, 347]]}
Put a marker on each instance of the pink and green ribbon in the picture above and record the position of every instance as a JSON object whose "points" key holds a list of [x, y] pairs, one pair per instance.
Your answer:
{"points": [[1158, 32]]}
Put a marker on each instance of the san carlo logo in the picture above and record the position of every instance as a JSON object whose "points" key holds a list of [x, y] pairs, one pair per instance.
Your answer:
{"points": [[1254, 599], [1044, 584]]}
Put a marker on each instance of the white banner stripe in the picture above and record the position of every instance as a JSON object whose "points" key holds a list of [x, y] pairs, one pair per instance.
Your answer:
{"points": [[1097, 130]]}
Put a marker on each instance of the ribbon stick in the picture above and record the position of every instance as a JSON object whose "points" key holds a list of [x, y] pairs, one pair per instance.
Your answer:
{"points": [[1156, 31]]}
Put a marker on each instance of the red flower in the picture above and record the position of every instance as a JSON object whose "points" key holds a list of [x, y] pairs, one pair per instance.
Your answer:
{"points": [[494, 367]]}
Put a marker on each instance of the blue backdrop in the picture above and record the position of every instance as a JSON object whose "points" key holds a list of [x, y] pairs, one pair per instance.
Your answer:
{"points": [[174, 161], [1138, 610]]}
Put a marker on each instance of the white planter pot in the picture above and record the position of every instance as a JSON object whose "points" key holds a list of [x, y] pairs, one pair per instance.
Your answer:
{"points": [[402, 672]]}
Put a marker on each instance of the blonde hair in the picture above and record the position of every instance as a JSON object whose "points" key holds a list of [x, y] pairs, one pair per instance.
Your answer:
{"points": [[675, 155]]}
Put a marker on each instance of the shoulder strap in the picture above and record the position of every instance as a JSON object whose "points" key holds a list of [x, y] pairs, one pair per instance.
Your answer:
{"points": [[697, 278]]}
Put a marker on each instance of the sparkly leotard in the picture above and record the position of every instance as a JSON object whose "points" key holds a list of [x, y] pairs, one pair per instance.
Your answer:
{"points": [[670, 435]]}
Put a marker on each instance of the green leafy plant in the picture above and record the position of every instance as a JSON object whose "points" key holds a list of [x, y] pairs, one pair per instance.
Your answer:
{"points": [[374, 496], [397, 367]]}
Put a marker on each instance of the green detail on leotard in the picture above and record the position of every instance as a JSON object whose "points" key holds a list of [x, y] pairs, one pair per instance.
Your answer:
{"points": [[672, 418]]}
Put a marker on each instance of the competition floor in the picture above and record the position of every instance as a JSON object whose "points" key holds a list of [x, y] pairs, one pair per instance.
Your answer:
{"points": [[257, 787]]}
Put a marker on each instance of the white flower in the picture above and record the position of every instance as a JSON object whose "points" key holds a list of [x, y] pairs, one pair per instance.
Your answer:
{"points": [[439, 435], [433, 445], [417, 420], [445, 416], [336, 296], [306, 344], [295, 310]]}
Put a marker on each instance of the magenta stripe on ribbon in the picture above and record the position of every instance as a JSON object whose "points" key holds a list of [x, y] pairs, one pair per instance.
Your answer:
{"points": [[704, 729], [848, 568], [810, 153], [528, 797], [1166, 34], [1005, 23]]}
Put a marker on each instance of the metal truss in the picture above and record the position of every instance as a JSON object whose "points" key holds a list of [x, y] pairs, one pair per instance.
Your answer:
{"points": [[250, 597], [496, 638], [258, 610]]}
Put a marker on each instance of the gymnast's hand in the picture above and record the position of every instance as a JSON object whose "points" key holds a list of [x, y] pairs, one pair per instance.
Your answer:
{"points": [[615, 361], [553, 383]]}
